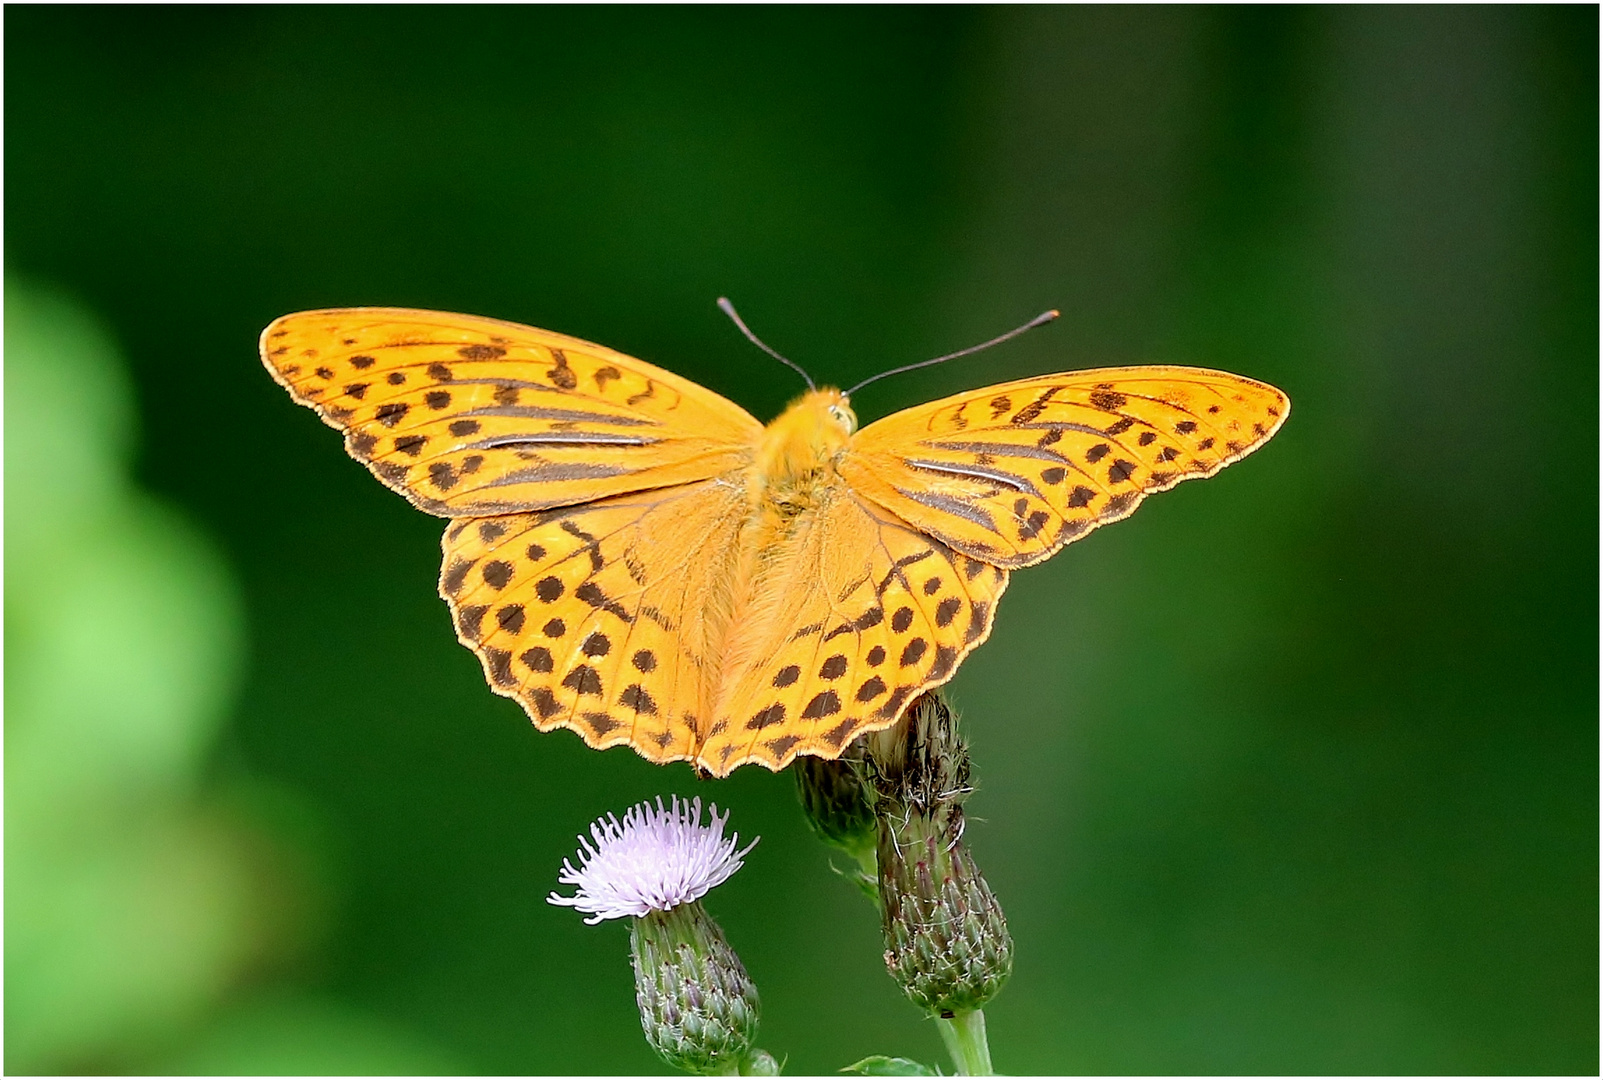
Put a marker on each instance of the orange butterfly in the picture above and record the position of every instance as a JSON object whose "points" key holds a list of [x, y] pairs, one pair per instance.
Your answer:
{"points": [[639, 560]]}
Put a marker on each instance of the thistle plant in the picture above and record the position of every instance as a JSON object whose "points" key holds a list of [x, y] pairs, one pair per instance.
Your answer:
{"points": [[893, 802], [698, 1007], [946, 941]]}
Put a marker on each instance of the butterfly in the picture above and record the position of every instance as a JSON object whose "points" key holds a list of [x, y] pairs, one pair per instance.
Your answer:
{"points": [[639, 560]]}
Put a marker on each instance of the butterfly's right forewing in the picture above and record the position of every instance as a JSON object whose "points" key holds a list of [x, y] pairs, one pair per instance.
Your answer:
{"points": [[1011, 473]]}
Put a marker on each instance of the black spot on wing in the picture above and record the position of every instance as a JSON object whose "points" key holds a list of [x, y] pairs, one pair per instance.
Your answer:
{"points": [[442, 475], [871, 689], [592, 594], [945, 661], [824, 704], [635, 697], [469, 620], [781, 746], [544, 702], [500, 663], [767, 717], [456, 574], [976, 621], [584, 679]]}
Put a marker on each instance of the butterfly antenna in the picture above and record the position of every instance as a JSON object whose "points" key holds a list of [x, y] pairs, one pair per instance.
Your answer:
{"points": [[729, 309], [1040, 320]]}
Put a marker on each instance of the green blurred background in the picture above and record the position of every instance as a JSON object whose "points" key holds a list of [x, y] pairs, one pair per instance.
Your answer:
{"points": [[1296, 771]]}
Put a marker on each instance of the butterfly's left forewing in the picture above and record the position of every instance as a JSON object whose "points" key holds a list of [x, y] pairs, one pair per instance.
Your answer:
{"points": [[1011, 473], [467, 416]]}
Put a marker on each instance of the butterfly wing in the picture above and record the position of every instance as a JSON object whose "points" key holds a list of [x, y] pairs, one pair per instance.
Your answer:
{"points": [[1011, 473], [600, 618], [853, 613], [468, 416]]}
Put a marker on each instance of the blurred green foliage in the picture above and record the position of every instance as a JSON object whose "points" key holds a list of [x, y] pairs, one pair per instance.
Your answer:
{"points": [[139, 896], [1296, 771]]}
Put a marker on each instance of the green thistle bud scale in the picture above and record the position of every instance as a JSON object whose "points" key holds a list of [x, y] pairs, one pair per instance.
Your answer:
{"points": [[698, 1007], [838, 805], [946, 940]]}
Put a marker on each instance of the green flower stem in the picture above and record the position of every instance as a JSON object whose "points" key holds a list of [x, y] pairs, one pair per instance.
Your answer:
{"points": [[964, 1035]]}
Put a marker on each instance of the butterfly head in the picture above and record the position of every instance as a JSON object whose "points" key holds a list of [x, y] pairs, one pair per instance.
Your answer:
{"points": [[837, 409], [813, 430]]}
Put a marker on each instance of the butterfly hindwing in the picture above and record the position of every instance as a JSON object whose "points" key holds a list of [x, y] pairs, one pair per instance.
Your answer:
{"points": [[595, 618], [468, 416], [856, 614], [1011, 473]]}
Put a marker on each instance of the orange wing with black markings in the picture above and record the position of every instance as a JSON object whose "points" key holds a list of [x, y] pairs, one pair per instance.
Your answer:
{"points": [[854, 615], [1011, 473], [603, 618], [468, 416]]}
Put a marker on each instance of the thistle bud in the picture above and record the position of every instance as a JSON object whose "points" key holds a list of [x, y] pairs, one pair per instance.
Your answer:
{"points": [[836, 801], [946, 940], [698, 1006]]}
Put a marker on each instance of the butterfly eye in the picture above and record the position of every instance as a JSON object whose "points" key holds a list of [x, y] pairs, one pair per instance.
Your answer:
{"points": [[839, 415]]}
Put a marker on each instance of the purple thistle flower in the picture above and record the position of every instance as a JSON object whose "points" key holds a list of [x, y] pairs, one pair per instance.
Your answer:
{"points": [[653, 860]]}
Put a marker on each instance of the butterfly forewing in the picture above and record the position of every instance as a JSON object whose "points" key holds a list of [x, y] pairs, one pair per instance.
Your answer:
{"points": [[598, 618], [468, 416], [1011, 473]]}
